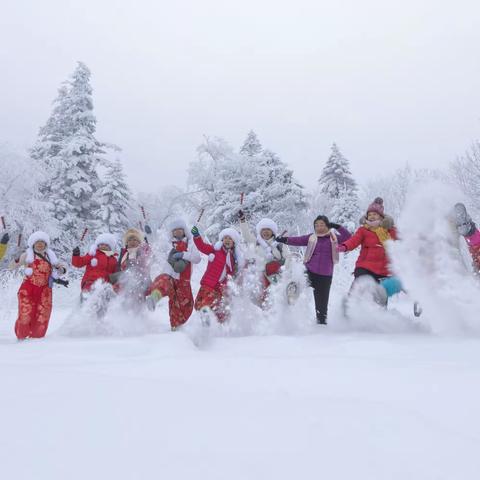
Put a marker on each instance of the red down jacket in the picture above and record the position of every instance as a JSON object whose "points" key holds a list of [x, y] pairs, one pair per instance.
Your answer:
{"points": [[373, 255], [217, 261], [99, 266]]}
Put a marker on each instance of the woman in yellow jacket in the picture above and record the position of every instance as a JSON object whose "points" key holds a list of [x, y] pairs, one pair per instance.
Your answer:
{"points": [[3, 244]]}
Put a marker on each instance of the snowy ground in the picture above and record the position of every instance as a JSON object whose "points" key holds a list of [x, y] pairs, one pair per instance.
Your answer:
{"points": [[323, 402], [379, 396]]}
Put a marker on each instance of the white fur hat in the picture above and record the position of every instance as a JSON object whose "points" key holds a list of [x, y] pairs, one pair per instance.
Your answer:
{"points": [[179, 223], [267, 223], [32, 240], [227, 232], [38, 237], [106, 238]]}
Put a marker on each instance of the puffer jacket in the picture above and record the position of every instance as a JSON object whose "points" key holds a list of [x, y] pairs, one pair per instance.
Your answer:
{"points": [[373, 255], [98, 267]]}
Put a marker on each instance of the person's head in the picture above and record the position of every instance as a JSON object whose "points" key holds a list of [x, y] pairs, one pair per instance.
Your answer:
{"points": [[228, 242], [321, 225], [228, 238], [104, 242], [267, 229], [375, 210], [373, 216], [38, 241], [39, 246], [178, 233], [178, 229], [133, 242], [266, 233], [133, 238]]}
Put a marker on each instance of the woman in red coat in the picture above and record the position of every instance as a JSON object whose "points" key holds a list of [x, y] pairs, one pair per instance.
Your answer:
{"points": [[372, 237], [42, 268], [225, 260], [99, 263]]}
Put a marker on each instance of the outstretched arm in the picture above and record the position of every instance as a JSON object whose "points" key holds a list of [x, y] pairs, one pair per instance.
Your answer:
{"points": [[355, 240]]}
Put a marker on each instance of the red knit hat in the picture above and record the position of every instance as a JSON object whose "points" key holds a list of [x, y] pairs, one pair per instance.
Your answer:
{"points": [[377, 207]]}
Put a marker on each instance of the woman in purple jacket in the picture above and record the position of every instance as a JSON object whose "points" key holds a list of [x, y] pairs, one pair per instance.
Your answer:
{"points": [[320, 257]]}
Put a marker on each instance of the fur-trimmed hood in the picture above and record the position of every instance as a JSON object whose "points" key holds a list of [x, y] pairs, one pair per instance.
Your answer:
{"points": [[133, 232]]}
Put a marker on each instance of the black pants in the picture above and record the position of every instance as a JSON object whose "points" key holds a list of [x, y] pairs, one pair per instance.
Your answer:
{"points": [[359, 271], [321, 291]]}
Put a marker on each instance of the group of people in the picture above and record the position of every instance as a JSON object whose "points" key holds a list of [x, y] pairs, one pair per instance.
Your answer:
{"points": [[267, 255]]}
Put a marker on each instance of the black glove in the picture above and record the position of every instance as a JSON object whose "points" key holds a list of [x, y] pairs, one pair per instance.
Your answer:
{"points": [[335, 226], [5, 239], [241, 215], [281, 239], [148, 230], [195, 232], [76, 252], [64, 283]]}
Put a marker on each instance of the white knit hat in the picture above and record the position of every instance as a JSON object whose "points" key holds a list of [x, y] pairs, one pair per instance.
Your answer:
{"points": [[267, 223]]}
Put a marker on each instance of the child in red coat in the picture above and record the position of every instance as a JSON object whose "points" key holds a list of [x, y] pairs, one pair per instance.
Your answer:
{"points": [[99, 263], [225, 260]]}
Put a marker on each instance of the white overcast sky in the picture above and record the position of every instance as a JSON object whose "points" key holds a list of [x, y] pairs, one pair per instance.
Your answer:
{"points": [[390, 81]]}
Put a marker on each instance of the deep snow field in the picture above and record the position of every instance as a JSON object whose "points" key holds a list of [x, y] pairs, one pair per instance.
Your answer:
{"points": [[382, 395]]}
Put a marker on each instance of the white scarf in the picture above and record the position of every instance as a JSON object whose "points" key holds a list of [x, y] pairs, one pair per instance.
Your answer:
{"points": [[272, 252]]}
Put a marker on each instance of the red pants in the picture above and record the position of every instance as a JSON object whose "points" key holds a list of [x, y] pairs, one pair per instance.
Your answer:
{"points": [[213, 298], [179, 293], [34, 309]]}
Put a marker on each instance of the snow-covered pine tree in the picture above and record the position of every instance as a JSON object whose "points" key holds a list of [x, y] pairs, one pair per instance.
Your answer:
{"points": [[68, 149], [338, 184], [222, 176], [115, 200], [251, 146]]}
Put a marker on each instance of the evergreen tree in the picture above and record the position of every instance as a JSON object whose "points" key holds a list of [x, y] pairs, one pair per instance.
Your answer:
{"points": [[251, 146], [115, 200], [337, 184], [70, 154], [266, 184]]}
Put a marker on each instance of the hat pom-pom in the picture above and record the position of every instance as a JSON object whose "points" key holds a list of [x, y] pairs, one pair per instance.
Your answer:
{"points": [[28, 271], [211, 257], [93, 262], [378, 200]]}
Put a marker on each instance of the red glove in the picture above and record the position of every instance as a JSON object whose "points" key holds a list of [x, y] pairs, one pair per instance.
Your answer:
{"points": [[341, 248]]}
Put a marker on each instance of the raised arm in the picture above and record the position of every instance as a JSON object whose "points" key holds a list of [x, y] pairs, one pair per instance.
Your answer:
{"points": [[203, 247]]}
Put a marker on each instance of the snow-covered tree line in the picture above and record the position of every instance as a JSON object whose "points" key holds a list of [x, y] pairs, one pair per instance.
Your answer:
{"points": [[70, 180]]}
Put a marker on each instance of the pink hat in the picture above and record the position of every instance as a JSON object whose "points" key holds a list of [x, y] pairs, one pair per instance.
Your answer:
{"points": [[377, 207]]}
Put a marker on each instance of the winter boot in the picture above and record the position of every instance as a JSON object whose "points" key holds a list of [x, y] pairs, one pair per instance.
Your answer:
{"points": [[152, 300], [463, 221], [205, 316], [293, 292]]}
